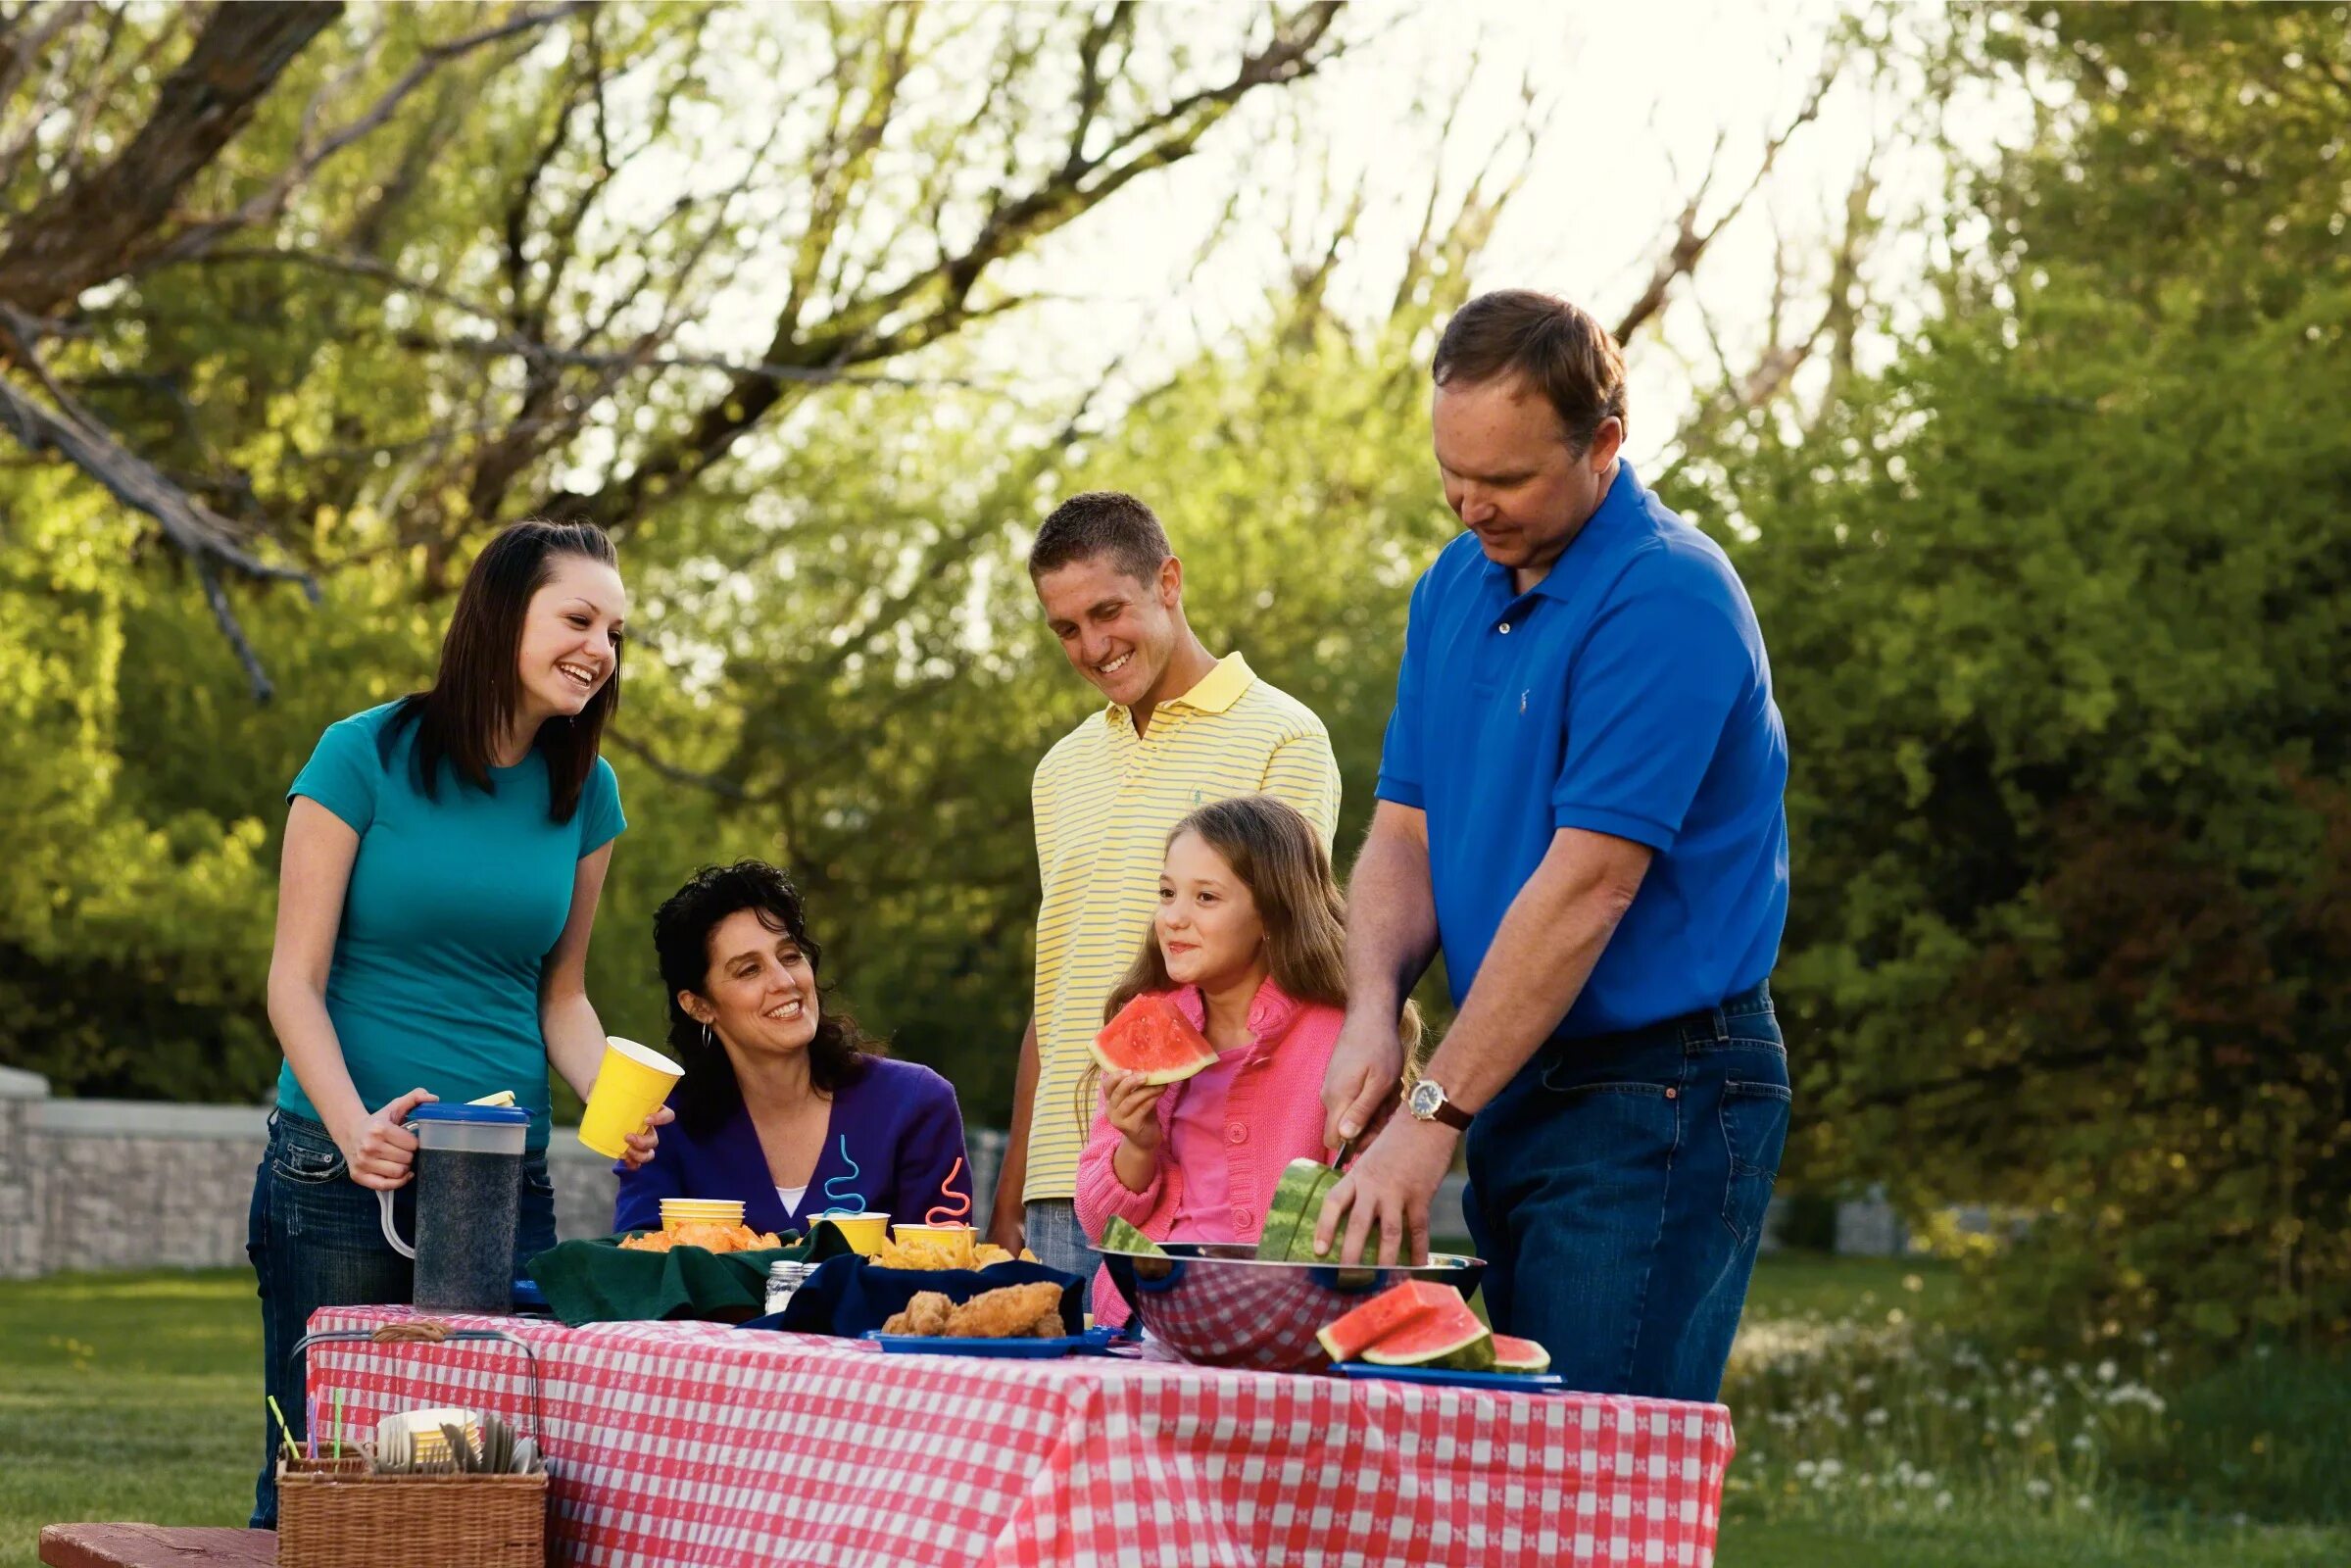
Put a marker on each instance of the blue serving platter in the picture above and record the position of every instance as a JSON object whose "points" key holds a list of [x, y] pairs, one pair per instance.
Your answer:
{"points": [[1500, 1382], [1093, 1340]]}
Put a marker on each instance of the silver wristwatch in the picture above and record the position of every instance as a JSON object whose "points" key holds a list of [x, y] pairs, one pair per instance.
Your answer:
{"points": [[1428, 1102]]}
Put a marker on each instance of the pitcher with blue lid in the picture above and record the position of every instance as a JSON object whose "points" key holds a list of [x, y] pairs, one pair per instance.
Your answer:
{"points": [[468, 1196]]}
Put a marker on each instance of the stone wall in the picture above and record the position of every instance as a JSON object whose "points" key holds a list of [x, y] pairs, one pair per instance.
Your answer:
{"points": [[106, 1184]]}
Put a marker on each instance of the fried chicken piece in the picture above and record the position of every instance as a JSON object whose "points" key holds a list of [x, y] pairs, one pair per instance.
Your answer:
{"points": [[1047, 1326], [926, 1313], [1004, 1314]]}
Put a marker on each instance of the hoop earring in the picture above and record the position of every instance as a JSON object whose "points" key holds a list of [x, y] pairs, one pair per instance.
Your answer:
{"points": [[709, 1041]]}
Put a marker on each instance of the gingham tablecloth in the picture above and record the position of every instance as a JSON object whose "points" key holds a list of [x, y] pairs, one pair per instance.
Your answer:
{"points": [[704, 1446]]}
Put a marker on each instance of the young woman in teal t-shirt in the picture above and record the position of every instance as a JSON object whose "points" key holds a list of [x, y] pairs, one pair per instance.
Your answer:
{"points": [[443, 858]]}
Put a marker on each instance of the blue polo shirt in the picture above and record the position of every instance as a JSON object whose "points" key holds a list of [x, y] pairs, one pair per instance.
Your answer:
{"points": [[1628, 694]]}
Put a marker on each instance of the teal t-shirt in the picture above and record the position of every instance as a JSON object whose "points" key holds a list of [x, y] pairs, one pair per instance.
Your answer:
{"points": [[453, 906]]}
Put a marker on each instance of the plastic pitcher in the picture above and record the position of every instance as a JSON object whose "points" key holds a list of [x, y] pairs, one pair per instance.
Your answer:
{"points": [[468, 1196]]}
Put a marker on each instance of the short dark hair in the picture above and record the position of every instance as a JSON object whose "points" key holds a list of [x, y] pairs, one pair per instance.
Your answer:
{"points": [[1560, 350], [1101, 522], [710, 1091], [462, 718]]}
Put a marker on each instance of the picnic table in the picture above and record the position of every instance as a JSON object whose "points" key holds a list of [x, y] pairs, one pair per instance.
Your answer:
{"points": [[707, 1446]]}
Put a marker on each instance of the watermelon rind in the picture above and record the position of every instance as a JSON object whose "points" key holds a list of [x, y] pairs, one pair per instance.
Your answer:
{"points": [[1202, 1059], [1289, 1219], [1120, 1237], [1449, 1337], [1514, 1354], [1384, 1314]]}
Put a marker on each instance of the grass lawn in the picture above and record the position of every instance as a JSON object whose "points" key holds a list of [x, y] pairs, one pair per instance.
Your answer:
{"points": [[1868, 1435]]}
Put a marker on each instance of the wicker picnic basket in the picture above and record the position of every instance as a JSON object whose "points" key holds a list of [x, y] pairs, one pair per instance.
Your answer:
{"points": [[332, 1513]]}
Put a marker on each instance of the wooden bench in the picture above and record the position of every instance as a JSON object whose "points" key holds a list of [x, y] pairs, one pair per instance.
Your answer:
{"points": [[154, 1547]]}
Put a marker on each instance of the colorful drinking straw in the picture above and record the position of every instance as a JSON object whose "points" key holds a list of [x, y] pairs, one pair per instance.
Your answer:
{"points": [[854, 1203], [948, 1188]]}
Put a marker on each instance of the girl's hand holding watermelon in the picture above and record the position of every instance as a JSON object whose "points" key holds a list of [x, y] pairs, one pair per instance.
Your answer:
{"points": [[1132, 1103]]}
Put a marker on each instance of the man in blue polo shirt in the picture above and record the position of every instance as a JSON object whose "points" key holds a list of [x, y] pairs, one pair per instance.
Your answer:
{"points": [[1579, 803]]}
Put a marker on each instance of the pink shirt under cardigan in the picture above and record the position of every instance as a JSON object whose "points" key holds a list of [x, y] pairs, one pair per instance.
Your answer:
{"points": [[1271, 1114]]}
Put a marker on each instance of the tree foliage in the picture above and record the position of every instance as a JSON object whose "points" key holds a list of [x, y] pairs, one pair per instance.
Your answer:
{"points": [[2060, 608]]}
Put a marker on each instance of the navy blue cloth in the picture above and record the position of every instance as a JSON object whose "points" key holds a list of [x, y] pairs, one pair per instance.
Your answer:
{"points": [[316, 1238], [894, 1135], [1617, 1190], [848, 1296], [1627, 693]]}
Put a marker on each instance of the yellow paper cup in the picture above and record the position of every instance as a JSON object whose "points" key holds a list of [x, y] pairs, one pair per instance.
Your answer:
{"points": [[630, 1087], [864, 1232], [677, 1211], [950, 1244]]}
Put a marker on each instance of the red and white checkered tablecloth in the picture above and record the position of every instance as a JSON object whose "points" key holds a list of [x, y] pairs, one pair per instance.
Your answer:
{"points": [[705, 1446]]}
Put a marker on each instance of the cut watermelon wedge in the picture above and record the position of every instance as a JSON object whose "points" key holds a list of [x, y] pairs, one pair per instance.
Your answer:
{"points": [[1450, 1336], [1151, 1037], [1514, 1354], [1385, 1313]]}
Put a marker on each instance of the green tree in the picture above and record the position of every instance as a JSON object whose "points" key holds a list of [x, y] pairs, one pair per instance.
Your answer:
{"points": [[2058, 612]]}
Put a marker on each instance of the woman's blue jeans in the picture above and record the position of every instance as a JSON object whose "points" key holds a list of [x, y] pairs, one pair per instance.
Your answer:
{"points": [[315, 1239], [1617, 1189]]}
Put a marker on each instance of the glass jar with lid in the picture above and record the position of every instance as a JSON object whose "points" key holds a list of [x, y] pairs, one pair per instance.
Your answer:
{"points": [[783, 1278]]}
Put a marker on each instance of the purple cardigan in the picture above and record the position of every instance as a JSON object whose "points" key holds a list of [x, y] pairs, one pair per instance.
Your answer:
{"points": [[894, 1135]]}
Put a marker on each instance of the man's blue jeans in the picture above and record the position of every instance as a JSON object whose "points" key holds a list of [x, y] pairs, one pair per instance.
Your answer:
{"points": [[1617, 1188], [316, 1238]]}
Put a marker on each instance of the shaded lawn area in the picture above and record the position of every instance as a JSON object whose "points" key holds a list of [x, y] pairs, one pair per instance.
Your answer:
{"points": [[127, 1396], [138, 1396]]}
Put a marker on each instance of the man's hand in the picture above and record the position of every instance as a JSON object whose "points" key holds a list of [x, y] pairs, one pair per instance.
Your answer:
{"points": [[1358, 1088], [1390, 1186]]}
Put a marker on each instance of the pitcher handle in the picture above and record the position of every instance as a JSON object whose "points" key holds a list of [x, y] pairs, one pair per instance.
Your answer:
{"points": [[383, 1198]]}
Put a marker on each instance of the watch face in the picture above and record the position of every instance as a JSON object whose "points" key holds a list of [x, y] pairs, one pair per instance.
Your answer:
{"points": [[1426, 1097]]}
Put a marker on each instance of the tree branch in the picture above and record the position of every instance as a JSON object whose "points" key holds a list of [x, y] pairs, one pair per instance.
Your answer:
{"points": [[1690, 241], [199, 235], [936, 301], [95, 229], [207, 539]]}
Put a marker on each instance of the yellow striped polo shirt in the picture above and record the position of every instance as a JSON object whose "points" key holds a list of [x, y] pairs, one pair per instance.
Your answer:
{"points": [[1105, 800]]}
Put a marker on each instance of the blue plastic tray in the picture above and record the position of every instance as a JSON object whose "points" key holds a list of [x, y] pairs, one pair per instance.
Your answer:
{"points": [[1002, 1349], [1503, 1382]]}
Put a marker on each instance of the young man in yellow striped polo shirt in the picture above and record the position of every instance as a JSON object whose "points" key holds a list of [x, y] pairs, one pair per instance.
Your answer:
{"points": [[1180, 728]]}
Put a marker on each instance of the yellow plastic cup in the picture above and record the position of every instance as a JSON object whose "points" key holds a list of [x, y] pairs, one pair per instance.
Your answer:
{"points": [[864, 1232], [950, 1244], [630, 1087]]}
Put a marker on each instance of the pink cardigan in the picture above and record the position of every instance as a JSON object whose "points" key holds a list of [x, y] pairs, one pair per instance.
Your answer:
{"points": [[1273, 1116]]}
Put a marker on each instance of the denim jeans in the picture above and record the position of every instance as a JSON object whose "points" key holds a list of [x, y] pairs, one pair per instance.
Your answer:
{"points": [[1059, 1242], [1617, 1191], [317, 1240]]}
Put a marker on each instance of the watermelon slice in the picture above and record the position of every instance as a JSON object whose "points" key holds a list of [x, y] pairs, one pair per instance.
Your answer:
{"points": [[1151, 1037], [1513, 1354], [1289, 1219], [1385, 1313], [1120, 1237], [1450, 1336]]}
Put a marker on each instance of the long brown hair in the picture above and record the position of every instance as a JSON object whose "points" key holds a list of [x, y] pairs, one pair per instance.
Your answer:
{"points": [[1279, 858], [464, 715]]}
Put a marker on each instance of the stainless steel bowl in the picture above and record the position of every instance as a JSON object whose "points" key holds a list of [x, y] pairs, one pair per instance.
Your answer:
{"points": [[1219, 1304]]}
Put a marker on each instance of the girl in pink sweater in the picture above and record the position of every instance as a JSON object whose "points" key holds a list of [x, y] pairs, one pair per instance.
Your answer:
{"points": [[1251, 940]]}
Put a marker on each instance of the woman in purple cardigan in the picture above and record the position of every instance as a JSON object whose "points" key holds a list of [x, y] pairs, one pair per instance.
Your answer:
{"points": [[784, 1105]]}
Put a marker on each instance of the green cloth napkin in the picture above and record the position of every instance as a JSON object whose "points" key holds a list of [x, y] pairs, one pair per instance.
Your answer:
{"points": [[597, 1281]]}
